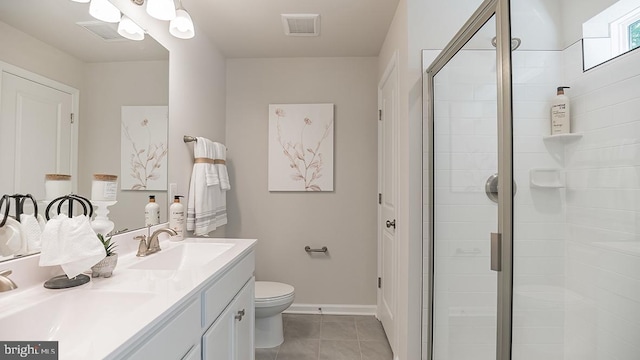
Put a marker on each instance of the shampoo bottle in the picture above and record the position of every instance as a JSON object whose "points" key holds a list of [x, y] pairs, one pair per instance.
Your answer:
{"points": [[560, 113], [176, 217], [152, 212]]}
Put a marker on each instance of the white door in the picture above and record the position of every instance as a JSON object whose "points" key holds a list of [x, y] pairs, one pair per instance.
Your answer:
{"points": [[387, 178], [36, 128]]}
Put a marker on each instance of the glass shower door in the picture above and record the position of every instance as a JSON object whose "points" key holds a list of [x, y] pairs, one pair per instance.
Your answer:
{"points": [[465, 148]]}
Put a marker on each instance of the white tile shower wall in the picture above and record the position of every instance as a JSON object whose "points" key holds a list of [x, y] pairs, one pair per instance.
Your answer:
{"points": [[603, 211], [539, 216]]}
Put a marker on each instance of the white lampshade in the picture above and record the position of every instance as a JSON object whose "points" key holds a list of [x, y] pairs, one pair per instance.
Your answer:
{"points": [[130, 30], [104, 10], [161, 9], [182, 26]]}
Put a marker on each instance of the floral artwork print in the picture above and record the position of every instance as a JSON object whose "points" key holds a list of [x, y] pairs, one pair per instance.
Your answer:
{"points": [[301, 147], [144, 148]]}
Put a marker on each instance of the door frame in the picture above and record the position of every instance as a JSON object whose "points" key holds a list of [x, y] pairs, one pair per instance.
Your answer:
{"points": [[75, 109], [501, 10], [391, 69]]}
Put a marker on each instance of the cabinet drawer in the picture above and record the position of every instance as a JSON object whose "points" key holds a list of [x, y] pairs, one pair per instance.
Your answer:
{"points": [[220, 294], [174, 338]]}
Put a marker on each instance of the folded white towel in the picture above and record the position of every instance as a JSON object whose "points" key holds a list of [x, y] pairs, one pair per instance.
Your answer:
{"points": [[71, 243], [32, 229], [203, 190], [223, 175], [11, 238]]}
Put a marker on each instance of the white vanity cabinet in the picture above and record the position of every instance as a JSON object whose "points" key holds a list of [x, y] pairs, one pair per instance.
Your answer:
{"points": [[214, 323], [230, 337]]}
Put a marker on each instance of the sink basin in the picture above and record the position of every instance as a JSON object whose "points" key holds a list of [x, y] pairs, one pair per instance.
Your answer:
{"points": [[60, 316], [183, 256]]}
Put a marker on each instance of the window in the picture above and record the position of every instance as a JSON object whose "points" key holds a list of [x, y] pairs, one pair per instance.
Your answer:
{"points": [[634, 35]]}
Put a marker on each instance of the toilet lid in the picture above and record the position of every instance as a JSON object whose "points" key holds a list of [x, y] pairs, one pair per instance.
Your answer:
{"points": [[271, 290]]}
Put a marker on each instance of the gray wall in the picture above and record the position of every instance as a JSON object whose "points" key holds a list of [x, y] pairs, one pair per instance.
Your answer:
{"points": [[284, 222]]}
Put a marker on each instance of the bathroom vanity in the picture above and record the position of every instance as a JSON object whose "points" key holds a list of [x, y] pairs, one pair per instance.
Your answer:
{"points": [[192, 300]]}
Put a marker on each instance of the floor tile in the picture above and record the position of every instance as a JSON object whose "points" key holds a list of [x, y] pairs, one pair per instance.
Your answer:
{"points": [[370, 330], [339, 350], [267, 354], [375, 350], [338, 331], [338, 318], [302, 317], [301, 329], [299, 349]]}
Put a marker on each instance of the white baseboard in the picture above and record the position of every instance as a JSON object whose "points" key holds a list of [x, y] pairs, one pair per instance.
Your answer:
{"points": [[331, 309]]}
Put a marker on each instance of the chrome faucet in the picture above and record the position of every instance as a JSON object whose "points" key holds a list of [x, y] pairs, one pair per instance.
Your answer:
{"points": [[150, 244], [6, 284]]}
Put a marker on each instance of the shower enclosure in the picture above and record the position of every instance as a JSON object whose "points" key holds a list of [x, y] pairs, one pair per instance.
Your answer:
{"points": [[552, 270]]}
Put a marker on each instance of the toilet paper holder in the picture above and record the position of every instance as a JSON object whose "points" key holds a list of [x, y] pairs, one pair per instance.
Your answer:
{"points": [[323, 249]]}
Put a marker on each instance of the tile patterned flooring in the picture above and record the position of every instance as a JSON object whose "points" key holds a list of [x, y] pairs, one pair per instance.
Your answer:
{"points": [[330, 337]]}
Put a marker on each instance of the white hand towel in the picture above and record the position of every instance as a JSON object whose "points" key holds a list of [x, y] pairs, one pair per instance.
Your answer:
{"points": [[32, 230], [204, 191], [11, 238], [223, 174], [71, 243]]}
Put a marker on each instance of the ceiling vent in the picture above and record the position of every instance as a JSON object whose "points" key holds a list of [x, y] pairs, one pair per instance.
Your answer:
{"points": [[105, 31], [301, 24]]}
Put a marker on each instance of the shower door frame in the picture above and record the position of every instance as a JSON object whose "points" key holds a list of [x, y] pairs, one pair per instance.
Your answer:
{"points": [[504, 250]]}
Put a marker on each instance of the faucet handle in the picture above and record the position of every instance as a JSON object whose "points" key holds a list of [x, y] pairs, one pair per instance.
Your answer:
{"points": [[140, 237], [5, 272]]}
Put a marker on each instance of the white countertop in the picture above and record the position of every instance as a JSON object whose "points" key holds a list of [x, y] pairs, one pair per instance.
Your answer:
{"points": [[99, 319]]}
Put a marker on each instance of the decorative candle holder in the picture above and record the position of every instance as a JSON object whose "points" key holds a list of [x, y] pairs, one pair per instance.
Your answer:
{"points": [[101, 224], [104, 187], [56, 185]]}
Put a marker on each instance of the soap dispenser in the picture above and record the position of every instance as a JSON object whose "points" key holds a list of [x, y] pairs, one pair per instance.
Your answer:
{"points": [[152, 212], [560, 113], [176, 218]]}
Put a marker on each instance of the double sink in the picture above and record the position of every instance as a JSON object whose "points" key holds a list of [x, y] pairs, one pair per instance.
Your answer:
{"points": [[98, 317]]}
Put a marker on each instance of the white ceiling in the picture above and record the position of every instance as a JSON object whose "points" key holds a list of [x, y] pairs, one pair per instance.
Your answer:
{"points": [[239, 28], [253, 28], [54, 22]]}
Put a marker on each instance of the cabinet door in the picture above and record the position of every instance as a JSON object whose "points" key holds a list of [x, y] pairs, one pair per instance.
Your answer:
{"points": [[217, 341], [194, 354], [244, 325], [231, 335]]}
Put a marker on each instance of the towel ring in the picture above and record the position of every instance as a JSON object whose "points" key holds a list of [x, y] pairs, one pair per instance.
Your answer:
{"points": [[5, 198], [71, 197], [33, 201]]}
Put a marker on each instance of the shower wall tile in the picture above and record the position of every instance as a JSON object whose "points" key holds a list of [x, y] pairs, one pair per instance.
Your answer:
{"points": [[603, 212]]}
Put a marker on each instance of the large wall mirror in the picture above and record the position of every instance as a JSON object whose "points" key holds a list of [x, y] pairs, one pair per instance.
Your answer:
{"points": [[59, 41]]}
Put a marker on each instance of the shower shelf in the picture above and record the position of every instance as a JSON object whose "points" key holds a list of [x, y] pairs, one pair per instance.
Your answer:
{"points": [[563, 138], [546, 178]]}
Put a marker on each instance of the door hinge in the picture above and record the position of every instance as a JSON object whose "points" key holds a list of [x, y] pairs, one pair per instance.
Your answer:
{"points": [[379, 283], [379, 198], [380, 114], [72, 119]]}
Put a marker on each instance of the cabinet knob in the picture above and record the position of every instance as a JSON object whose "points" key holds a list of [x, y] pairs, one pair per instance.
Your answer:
{"points": [[239, 315]]}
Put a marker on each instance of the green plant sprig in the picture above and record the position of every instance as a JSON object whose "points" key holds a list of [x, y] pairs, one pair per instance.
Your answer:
{"points": [[108, 245]]}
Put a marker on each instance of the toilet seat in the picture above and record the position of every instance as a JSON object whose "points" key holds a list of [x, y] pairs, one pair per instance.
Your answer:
{"points": [[272, 292]]}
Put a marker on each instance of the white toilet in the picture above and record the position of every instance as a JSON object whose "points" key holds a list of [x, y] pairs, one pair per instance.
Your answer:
{"points": [[272, 298]]}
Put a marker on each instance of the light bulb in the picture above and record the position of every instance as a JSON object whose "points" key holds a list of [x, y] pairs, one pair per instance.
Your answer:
{"points": [[104, 10], [182, 26], [129, 29], [161, 9]]}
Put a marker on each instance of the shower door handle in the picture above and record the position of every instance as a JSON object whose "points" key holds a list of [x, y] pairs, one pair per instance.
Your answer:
{"points": [[496, 251]]}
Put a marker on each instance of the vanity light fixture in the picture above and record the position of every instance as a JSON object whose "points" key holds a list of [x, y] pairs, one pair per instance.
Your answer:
{"points": [[161, 9], [81, 1], [104, 10], [129, 29], [182, 26]]}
